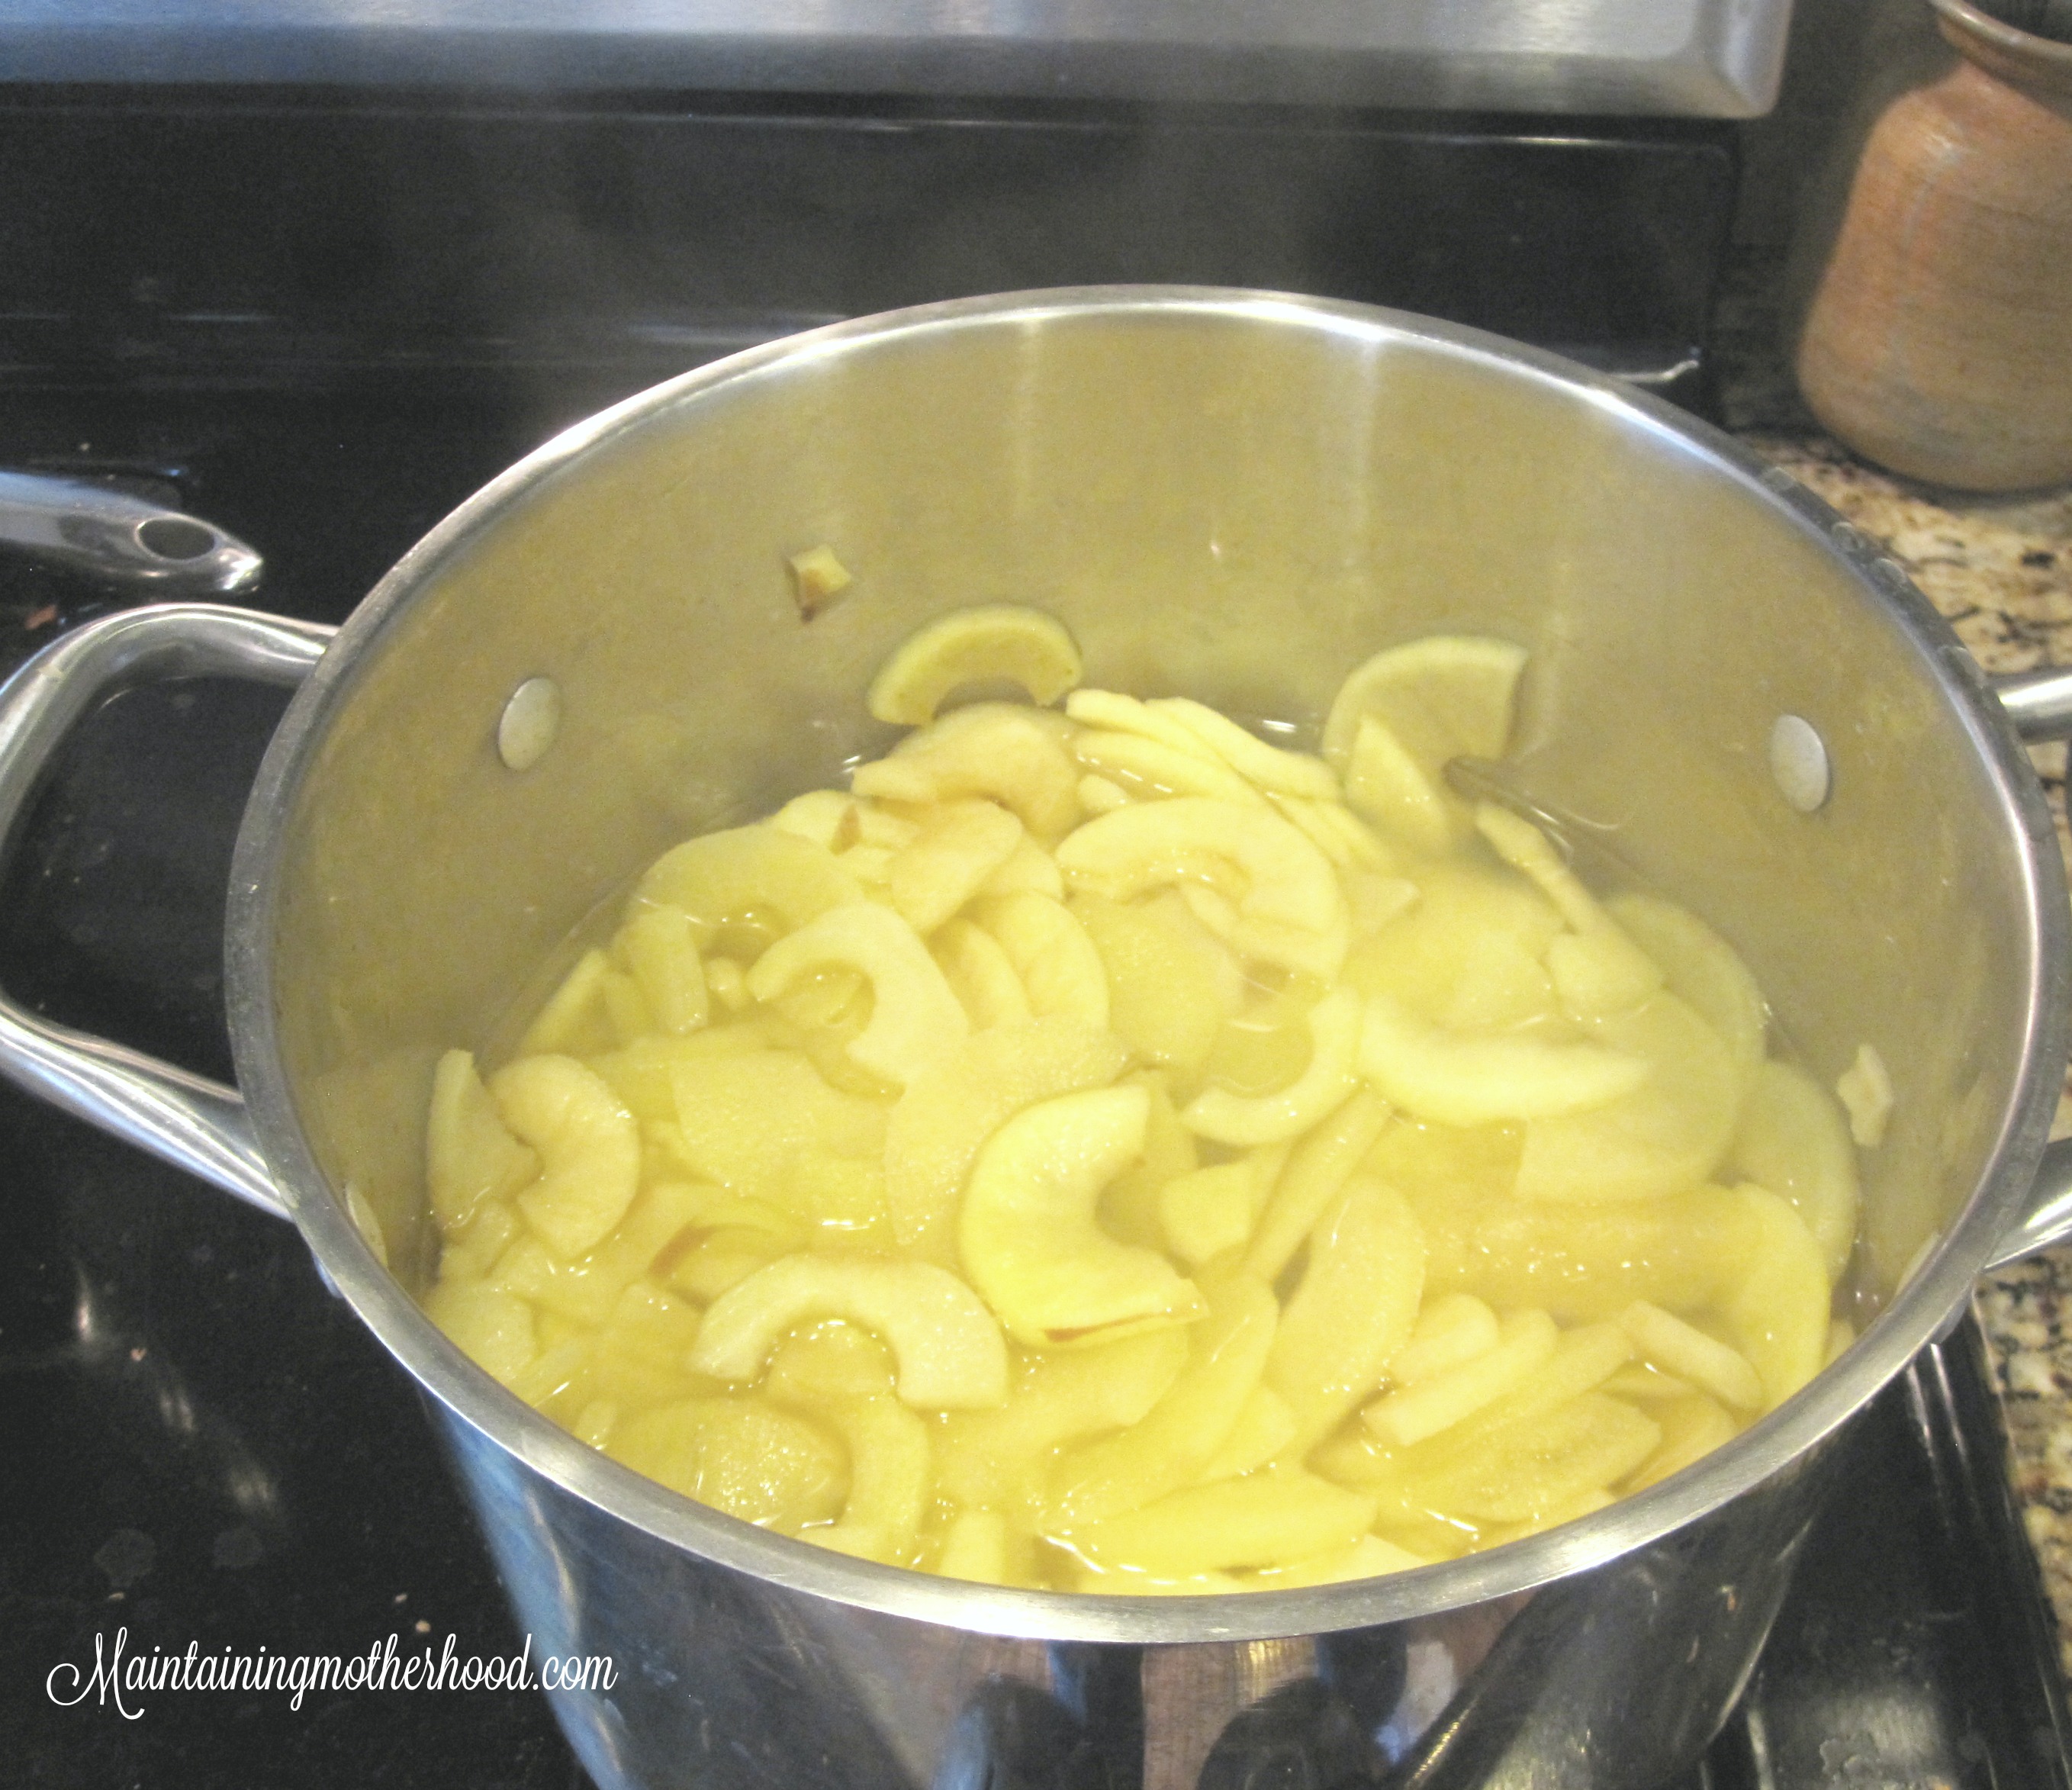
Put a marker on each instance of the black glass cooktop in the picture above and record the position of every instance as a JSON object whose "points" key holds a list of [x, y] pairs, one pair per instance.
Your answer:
{"points": [[201, 1446]]}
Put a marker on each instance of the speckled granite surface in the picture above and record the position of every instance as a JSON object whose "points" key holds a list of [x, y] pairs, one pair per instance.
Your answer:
{"points": [[2000, 568]]}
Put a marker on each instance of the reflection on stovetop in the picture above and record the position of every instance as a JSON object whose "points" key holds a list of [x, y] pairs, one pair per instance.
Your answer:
{"points": [[207, 1448]]}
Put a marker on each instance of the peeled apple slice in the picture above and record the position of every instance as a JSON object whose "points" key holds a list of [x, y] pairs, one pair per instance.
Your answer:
{"points": [[1027, 1234], [760, 871], [1778, 1314], [960, 845], [1581, 1262], [950, 1354], [589, 1147], [1283, 899], [981, 976], [470, 1156], [1464, 1080], [738, 1455], [492, 1328], [1702, 969], [1156, 767], [1669, 1133], [996, 1457], [915, 1020], [1263, 1520], [1792, 1140], [949, 1111], [1334, 1034], [1015, 756], [1204, 1211], [1446, 696], [660, 946], [1266, 768], [1171, 984], [1466, 954], [748, 1120], [987, 643], [1522, 1469], [1597, 970], [837, 1375], [1061, 971], [1441, 1399], [1387, 782], [1355, 1307], [1180, 1436]]}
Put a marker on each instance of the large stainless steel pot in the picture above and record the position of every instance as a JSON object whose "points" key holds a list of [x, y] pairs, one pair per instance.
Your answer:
{"points": [[1232, 495]]}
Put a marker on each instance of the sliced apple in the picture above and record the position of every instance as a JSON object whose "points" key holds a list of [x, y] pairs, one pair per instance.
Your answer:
{"points": [[1061, 971], [659, 945], [759, 873], [1015, 756], [588, 1144], [1268, 767], [1470, 1080], [1171, 983], [976, 967], [470, 1156], [1668, 1134], [951, 1356], [1353, 1308], [1334, 1025], [1156, 766], [1261, 1521], [740, 1455], [1792, 1140], [1445, 696], [1171, 1445], [986, 644], [947, 1112], [959, 845], [1702, 969], [1027, 1234], [1283, 901], [915, 1020]]}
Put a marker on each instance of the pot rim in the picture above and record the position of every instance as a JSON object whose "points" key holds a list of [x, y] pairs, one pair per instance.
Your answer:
{"points": [[1921, 1310]]}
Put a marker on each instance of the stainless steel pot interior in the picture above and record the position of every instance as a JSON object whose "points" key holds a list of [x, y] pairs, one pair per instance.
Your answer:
{"points": [[1235, 496]]}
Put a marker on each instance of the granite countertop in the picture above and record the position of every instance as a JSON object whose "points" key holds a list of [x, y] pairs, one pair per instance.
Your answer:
{"points": [[2001, 570]]}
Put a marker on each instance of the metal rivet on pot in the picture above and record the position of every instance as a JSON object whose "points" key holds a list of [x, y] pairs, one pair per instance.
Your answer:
{"points": [[1798, 762], [530, 721]]}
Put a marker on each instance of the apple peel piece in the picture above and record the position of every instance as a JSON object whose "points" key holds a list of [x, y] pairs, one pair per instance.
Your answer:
{"points": [[950, 1352]]}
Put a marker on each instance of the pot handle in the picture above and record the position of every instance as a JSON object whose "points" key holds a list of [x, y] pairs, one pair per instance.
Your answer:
{"points": [[116, 539], [192, 1122], [2039, 704]]}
